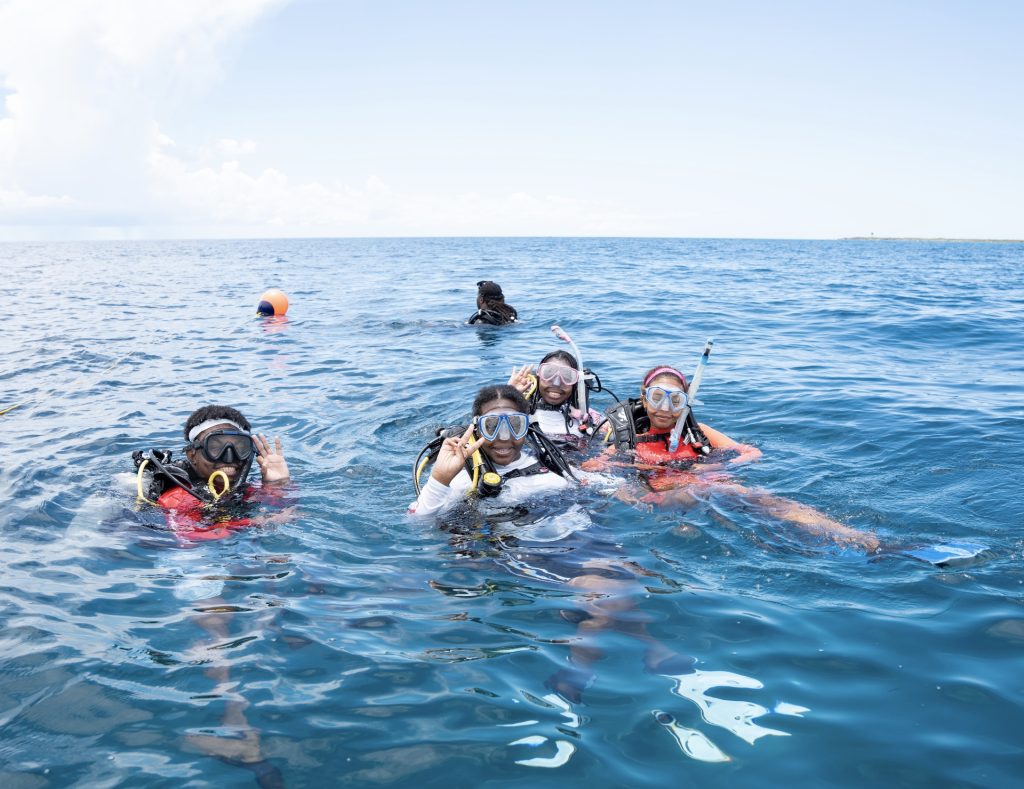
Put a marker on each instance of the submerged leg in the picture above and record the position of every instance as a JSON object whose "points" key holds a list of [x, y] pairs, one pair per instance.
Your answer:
{"points": [[802, 516], [610, 604]]}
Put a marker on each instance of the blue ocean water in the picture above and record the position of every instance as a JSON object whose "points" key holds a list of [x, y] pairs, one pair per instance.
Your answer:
{"points": [[352, 645]]}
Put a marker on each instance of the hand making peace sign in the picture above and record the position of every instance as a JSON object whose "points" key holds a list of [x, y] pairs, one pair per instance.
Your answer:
{"points": [[452, 456]]}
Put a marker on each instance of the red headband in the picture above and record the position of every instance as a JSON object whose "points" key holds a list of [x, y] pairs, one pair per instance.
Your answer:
{"points": [[659, 370]]}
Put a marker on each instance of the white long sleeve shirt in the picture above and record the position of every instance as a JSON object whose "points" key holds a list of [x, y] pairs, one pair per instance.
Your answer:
{"points": [[436, 497], [552, 423]]}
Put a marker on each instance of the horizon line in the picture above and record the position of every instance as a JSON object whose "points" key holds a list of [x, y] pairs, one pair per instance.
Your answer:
{"points": [[926, 239]]}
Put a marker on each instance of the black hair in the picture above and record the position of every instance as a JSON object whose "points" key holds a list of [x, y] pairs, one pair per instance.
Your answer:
{"points": [[499, 392], [208, 412], [494, 300], [562, 356]]}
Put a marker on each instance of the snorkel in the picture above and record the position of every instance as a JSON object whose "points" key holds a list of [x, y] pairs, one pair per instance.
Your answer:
{"points": [[581, 385], [698, 374]]}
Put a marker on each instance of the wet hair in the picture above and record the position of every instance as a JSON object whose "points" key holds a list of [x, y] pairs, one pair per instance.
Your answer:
{"points": [[499, 392], [562, 356], [663, 369], [208, 412], [494, 300]]}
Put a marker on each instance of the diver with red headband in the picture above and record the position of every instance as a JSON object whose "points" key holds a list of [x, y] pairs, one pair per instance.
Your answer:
{"points": [[680, 458], [645, 426]]}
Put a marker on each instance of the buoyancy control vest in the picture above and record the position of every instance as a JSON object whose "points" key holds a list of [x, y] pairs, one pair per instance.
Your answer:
{"points": [[173, 488], [630, 430], [489, 480], [491, 318]]}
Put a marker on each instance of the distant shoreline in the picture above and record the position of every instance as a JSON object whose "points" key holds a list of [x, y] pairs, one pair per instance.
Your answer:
{"points": [[948, 240]]}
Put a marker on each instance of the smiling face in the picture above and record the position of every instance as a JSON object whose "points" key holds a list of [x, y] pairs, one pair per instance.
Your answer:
{"points": [[662, 419], [501, 451], [204, 467], [557, 375], [555, 394]]}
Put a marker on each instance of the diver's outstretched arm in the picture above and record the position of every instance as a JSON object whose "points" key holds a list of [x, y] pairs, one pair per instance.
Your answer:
{"points": [[719, 440]]}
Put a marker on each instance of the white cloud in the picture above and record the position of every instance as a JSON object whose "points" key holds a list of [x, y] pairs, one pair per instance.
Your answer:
{"points": [[12, 201], [233, 148], [270, 203], [86, 83]]}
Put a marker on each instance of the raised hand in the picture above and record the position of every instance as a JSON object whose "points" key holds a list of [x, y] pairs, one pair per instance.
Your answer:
{"points": [[522, 379], [452, 456], [273, 467]]}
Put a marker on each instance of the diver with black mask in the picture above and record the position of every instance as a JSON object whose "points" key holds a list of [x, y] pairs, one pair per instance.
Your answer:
{"points": [[218, 457]]}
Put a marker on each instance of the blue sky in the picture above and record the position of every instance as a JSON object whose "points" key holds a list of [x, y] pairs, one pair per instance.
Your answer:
{"points": [[261, 118]]}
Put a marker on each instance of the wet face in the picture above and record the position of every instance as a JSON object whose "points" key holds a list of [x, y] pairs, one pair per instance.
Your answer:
{"points": [[203, 467], [662, 419], [502, 451], [553, 394], [553, 380]]}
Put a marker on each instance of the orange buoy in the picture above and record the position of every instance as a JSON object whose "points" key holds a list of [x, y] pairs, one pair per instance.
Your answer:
{"points": [[273, 302]]}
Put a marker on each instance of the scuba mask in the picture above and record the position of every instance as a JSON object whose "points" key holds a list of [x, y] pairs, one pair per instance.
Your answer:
{"points": [[503, 426], [558, 374], [231, 447], [666, 399]]}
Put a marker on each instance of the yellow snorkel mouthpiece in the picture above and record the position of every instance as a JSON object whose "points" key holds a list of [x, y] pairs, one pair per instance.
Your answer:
{"points": [[212, 487], [532, 387]]}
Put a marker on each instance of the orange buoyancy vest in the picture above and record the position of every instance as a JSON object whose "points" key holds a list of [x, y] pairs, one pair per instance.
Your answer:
{"points": [[652, 448]]}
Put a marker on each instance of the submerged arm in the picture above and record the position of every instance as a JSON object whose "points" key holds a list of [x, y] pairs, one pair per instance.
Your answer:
{"points": [[718, 440]]}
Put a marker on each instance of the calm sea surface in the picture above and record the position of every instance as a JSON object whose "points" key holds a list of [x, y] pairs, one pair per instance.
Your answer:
{"points": [[884, 382]]}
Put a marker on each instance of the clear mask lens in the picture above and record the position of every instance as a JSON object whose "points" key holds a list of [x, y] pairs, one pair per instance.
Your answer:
{"points": [[663, 399], [503, 426], [558, 374]]}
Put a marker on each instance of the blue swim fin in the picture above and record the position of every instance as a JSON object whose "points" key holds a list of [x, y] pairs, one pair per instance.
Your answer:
{"points": [[946, 554]]}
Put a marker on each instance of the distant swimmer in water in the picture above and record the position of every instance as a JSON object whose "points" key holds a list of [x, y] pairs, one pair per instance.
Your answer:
{"points": [[218, 456], [499, 455], [641, 433], [491, 306]]}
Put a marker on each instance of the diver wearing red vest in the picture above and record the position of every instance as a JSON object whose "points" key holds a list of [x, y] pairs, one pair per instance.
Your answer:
{"points": [[218, 458], [644, 428], [641, 431]]}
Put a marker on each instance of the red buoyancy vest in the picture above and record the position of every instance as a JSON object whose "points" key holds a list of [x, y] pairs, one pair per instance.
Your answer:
{"points": [[652, 447], [185, 515]]}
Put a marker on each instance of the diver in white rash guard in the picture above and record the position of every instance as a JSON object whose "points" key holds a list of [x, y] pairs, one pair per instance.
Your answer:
{"points": [[553, 395], [502, 463]]}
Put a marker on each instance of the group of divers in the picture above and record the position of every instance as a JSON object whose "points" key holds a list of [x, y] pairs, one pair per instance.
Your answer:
{"points": [[531, 437], [528, 440]]}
